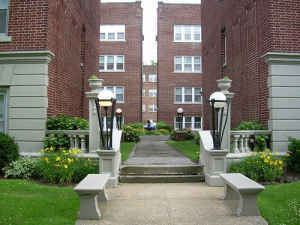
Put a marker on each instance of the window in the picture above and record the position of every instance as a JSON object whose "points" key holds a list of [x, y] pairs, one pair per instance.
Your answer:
{"points": [[191, 122], [188, 95], [143, 108], [187, 33], [144, 92], [152, 78], [111, 63], [112, 32], [144, 77], [2, 111], [152, 92], [3, 17], [152, 108], [187, 64], [118, 91]]}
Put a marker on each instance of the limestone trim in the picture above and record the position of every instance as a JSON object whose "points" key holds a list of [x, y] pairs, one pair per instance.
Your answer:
{"points": [[18, 57], [277, 57]]}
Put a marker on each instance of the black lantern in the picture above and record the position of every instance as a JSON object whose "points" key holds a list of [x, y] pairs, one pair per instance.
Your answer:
{"points": [[119, 118], [180, 118], [106, 99], [218, 102]]}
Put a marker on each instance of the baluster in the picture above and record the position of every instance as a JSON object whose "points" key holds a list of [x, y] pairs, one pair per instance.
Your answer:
{"points": [[82, 143], [71, 141], [76, 141], [235, 143], [247, 148], [242, 145]]}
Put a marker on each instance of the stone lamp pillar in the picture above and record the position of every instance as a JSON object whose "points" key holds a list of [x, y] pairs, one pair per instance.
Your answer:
{"points": [[224, 85], [94, 135]]}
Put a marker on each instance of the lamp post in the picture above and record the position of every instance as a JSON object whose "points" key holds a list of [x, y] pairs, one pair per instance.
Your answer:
{"points": [[106, 99], [119, 118], [180, 117], [218, 102]]}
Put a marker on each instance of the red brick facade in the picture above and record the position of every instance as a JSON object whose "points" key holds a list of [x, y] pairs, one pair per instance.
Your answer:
{"points": [[69, 29], [130, 15], [147, 99], [168, 16], [252, 28]]}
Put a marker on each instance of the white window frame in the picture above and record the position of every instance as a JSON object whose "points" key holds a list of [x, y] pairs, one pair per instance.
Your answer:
{"points": [[3, 92], [115, 92], [183, 28], [183, 94], [115, 63], [182, 65], [4, 36], [112, 29], [152, 108], [152, 92], [144, 78], [193, 122], [153, 78], [144, 92], [143, 107]]}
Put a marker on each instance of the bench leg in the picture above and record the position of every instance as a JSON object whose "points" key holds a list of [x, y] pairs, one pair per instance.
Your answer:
{"points": [[230, 194], [102, 196], [248, 206], [89, 209]]}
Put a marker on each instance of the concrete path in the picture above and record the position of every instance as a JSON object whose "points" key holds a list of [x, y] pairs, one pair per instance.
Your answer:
{"points": [[153, 150], [169, 204]]}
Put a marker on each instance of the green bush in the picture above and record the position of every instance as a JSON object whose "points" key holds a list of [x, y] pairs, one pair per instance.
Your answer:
{"points": [[9, 150], [259, 142], [131, 134], [164, 131], [162, 125], [136, 125], [293, 159], [64, 167], [189, 134], [63, 122], [23, 168], [261, 167]]}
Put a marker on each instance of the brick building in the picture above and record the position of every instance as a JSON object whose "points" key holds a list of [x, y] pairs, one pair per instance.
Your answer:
{"points": [[149, 93], [257, 44], [47, 52], [179, 66], [120, 55]]}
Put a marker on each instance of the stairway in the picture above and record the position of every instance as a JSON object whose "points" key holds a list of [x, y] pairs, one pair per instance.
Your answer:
{"points": [[161, 174]]}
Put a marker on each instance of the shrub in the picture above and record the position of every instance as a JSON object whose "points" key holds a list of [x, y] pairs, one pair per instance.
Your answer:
{"points": [[9, 150], [136, 125], [293, 159], [262, 166], [131, 134], [63, 122], [23, 168], [189, 134], [259, 142], [164, 131], [93, 77], [64, 167], [163, 125]]}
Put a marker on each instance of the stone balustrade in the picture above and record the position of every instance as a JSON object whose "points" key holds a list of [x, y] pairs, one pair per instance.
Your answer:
{"points": [[241, 139], [77, 138]]}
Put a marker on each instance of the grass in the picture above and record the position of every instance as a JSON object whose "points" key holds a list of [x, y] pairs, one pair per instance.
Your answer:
{"points": [[280, 204], [28, 203], [189, 148], [126, 149]]}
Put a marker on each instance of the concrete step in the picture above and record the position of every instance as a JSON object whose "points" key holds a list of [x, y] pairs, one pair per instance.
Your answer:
{"points": [[161, 178], [161, 170]]}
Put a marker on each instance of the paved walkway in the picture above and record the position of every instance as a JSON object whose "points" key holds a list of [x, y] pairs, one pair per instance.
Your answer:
{"points": [[169, 204], [153, 150]]}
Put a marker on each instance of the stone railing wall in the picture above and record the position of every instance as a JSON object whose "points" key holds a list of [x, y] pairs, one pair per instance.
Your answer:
{"points": [[78, 138], [241, 139]]}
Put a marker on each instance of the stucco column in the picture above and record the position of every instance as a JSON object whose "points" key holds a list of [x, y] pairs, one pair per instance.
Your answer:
{"points": [[224, 85], [284, 98], [94, 130]]}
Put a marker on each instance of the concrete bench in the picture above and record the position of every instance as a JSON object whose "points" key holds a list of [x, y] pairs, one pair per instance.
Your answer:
{"points": [[91, 190], [239, 187]]}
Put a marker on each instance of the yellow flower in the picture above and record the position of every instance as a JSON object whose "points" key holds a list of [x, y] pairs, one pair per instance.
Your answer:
{"points": [[46, 159], [57, 158], [42, 151], [70, 160], [57, 165], [51, 148], [280, 162], [276, 153], [276, 162], [280, 168], [288, 155], [66, 166], [271, 163], [268, 150], [266, 160], [89, 159], [268, 157]]}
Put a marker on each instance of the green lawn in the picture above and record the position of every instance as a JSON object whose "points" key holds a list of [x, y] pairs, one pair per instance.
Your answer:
{"points": [[189, 148], [126, 149], [280, 204], [28, 203]]}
